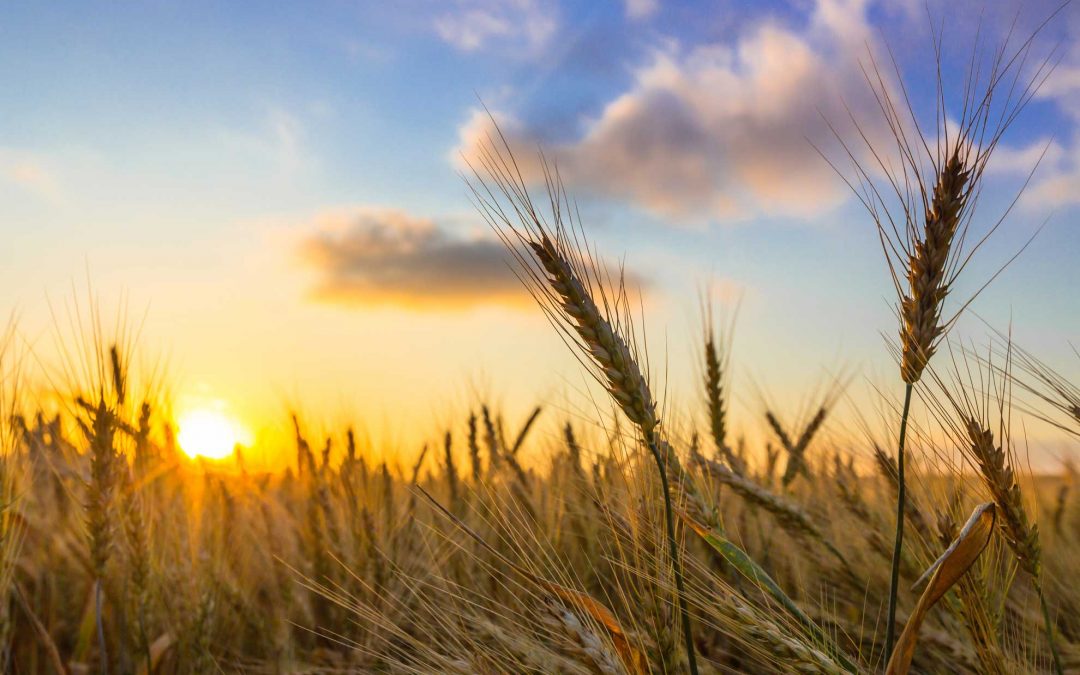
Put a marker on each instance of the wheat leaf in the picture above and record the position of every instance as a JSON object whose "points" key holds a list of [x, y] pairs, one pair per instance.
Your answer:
{"points": [[946, 571]]}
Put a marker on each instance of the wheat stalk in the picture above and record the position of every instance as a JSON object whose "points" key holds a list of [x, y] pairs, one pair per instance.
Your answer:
{"points": [[717, 363], [923, 207], [562, 280], [98, 510]]}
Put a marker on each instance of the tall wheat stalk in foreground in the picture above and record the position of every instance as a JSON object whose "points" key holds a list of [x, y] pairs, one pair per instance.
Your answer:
{"points": [[563, 276], [923, 206]]}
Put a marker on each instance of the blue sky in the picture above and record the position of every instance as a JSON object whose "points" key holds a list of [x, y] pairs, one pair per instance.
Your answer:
{"points": [[260, 177]]}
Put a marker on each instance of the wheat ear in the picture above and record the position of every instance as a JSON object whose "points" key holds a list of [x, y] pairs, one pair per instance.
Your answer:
{"points": [[560, 276]]}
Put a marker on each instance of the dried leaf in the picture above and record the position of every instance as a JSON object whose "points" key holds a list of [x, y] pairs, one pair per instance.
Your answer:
{"points": [[158, 650], [632, 658], [946, 571]]}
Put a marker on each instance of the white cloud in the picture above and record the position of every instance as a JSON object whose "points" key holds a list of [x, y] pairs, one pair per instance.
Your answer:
{"points": [[1059, 188], [1064, 82], [1057, 181], [1042, 152], [725, 131], [280, 139], [475, 24], [641, 9]]}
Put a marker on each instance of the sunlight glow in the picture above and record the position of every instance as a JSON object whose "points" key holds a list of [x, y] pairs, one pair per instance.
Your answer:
{"points": [[208, 433]]}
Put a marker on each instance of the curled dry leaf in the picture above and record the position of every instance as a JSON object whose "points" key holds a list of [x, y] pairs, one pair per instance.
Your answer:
{"points": [[946, 571]]}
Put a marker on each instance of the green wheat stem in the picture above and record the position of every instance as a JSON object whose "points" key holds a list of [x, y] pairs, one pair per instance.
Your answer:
{"points": [[890, 630], [680, 585]]}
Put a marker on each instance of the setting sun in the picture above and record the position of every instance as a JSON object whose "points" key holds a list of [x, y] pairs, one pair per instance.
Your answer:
{"points": [[208, 433]]}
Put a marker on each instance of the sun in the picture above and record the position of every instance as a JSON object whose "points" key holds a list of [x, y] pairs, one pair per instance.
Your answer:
{"points": [[209, 433]]}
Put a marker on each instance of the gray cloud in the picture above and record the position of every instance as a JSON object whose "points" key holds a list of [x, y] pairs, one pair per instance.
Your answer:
{"points": [[367, 256]]}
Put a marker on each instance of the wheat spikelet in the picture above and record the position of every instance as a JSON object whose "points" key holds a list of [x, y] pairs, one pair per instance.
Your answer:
{"points": [[790, 516], [102, 481], [588, 647], [616, 362], [716, 362], [350, 447], [388, 507], [524, 433], [305, 460], [451, 471], [1021, 535], [785, 650], [491, 439], [778, 429], [415, 478], [714, 389], [573, 450], [920, 306], [474, 449], [772, 457], [797, 451], [921, 200]]}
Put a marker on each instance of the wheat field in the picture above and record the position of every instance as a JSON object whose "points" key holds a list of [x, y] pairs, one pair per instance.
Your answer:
{"points": [[645, 537]]}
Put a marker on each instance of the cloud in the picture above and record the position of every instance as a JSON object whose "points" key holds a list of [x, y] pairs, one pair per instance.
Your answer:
{"points": [[1064, 82], [1057, 180], [279, 139], [476, 24], [372, 256], [641, 9], [27, 172], [724, 131], [1042, 152], [369, 256], [1056, 171]]}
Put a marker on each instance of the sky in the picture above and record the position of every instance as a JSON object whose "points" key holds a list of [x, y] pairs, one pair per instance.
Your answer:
{"points": [[275, 192]]}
